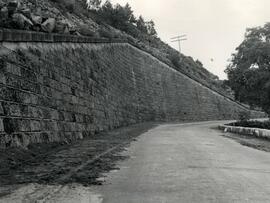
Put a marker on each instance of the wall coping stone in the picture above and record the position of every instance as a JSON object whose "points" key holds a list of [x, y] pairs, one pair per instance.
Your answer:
{"points": [[255, 132], [9, 35]]}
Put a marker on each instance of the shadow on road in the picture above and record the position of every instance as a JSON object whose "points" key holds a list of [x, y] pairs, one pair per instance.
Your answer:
{"points": [[79, 162]]}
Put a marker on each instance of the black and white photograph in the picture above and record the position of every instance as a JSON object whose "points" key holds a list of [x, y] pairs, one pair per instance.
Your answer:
{"points": [[132, 101]]}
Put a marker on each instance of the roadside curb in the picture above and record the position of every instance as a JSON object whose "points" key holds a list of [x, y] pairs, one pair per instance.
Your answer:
{"points": [[255, 132]]}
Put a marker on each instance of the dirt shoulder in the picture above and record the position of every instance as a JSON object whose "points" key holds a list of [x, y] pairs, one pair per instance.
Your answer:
{"points": [[250, 141], [80, 162]]}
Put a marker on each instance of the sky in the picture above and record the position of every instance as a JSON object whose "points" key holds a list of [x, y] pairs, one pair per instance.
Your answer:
{"points": [[214, 28]]}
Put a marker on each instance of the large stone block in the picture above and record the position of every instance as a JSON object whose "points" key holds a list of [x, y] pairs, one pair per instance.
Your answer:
{"points": [[24, 126], [1, 125], [13, 110], [2, 79], [35, 126], [1, 109], [11, 125]]}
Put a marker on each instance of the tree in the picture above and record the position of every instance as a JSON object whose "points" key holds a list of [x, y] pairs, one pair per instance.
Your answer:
{"points": [[122, 18], [106, 10], [141, 25], [93, 4], [199, 62], [128, 14], [249, 70], [146, 27], [117, 16], [174, 58], [150, 25]]}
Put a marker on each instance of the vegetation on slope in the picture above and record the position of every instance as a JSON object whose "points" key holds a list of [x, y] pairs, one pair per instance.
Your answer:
{"points": [[94, 19]]}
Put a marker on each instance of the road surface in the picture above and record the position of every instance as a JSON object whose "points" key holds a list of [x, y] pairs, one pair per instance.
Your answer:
{"points": [[169, 164]]}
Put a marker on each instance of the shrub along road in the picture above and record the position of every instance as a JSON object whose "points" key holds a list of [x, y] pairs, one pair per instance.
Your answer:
{"points": [[169, 163]]}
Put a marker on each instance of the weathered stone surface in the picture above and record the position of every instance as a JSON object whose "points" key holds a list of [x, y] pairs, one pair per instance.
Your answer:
{"points": [[1, 109], [21, 21], [48, 25], [26, 12], [39, 16], [1, 125], [61, 27], [37, 20], [54, 92]]}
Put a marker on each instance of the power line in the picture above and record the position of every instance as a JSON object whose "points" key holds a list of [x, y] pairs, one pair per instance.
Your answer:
{"points": [[179, 39]]}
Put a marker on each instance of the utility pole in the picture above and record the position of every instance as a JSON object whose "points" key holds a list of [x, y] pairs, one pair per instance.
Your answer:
{"points": [[179, 39]]}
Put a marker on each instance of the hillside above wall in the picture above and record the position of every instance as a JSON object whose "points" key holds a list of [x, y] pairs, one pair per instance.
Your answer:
{"points": [[72, 17]]}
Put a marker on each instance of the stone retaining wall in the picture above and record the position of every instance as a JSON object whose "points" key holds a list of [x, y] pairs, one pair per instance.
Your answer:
{"points": [[61, 88]]}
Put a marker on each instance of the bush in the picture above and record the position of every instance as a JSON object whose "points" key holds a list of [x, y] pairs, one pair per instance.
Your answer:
{"points": [[244, 116], [70, 8], [252, 124], [106, 33], [175, 59], [132, 30], [86, 31]]}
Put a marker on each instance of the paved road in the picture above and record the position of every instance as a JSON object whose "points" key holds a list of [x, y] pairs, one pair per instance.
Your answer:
{"points": [[189, 163], [177, 163]]}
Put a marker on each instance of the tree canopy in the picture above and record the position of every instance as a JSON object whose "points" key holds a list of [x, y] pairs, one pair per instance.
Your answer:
{"points": [[146, 27], [122, 17], [93, 4], [249, 70]]}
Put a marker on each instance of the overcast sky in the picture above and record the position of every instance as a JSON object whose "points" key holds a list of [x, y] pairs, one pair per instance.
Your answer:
{"points": [[214, 27]]}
